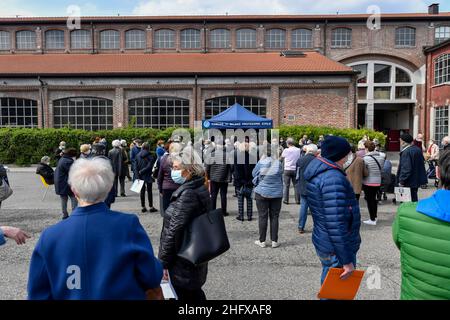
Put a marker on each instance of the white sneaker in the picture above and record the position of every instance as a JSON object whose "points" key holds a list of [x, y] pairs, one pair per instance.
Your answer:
{"points": [[370, 222], [275, 244], [260, 244]]}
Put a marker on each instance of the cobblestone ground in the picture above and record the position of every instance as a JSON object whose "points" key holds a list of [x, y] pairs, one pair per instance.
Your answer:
{"points": [[246, 271]]}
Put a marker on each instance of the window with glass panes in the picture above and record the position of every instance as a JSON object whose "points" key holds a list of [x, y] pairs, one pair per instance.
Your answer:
{"points": [[216, 105], [80, 39], [165, 39], [301, 38], [442, 69], [246, 38], [190, 39], [220, 38], [159, 112], [15, 112], [26, 40], [341, 38], [441, 123], [5, 40], [54, 39], [405, 37], [441, 34], [109, 39], [83, 113], [276, 39], [135, 39]]}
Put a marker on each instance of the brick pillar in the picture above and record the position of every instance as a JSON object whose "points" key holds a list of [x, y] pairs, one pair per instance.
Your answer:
{"points": [[122, 44], [202, 40], [39, 40], [118, 109], [260, 38], [275, 112], [317, 37], [149, 34], [43, 105], [200, 105]]}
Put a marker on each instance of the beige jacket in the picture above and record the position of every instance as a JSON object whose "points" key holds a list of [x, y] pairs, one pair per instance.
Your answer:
{"points": [[355, 174]]}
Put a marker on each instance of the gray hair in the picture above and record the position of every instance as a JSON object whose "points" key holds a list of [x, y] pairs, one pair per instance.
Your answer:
{"points": [[116, 143], [91, 179], [290, 141], [45, 159], [312, 149], [446, 139], [123, 143], [190, 161]]}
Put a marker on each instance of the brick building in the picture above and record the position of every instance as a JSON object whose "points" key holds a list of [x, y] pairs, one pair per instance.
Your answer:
{"points": [[57, 71], [438, 90]]}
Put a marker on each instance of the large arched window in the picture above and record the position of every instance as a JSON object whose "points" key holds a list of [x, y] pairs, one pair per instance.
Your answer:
{"points": [[380, 80], [301, 39], [26, 40], [276, 39], [220, 39], [159, 112], [80, 39], [190, 39], [441, 34], [341, 38], [246, 38], [109, 39], [86, 113], [442, 69], [405, 37], [216, 105], [135, 39], [5, 40], [17, 112], [54, 39], [165, 39]]}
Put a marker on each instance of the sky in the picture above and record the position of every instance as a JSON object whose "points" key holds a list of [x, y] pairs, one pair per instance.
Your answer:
{"points": [[183, 7]]}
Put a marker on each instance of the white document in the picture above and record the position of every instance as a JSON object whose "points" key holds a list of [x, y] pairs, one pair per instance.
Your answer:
{"points": [[137, 186], [168, 290], [403, 194]]}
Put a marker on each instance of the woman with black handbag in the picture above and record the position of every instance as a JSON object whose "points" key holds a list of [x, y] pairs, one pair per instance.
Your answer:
{"points": [[188, 202]]}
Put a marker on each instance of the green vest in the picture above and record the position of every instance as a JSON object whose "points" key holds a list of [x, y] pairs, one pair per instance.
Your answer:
{"points": [[424, 244]]}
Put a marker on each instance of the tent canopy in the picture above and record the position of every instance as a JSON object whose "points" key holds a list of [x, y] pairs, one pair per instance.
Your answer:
{"points": [[237, 117]]}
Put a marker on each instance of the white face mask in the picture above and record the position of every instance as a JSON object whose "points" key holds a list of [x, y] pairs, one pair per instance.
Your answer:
{"points": [[349, 161]]}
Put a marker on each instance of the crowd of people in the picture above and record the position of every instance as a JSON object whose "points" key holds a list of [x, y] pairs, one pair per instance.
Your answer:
{"points": [[328, 179]]}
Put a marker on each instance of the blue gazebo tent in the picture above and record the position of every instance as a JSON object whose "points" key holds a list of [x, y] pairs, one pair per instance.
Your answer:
{"points": [[237, 117]]}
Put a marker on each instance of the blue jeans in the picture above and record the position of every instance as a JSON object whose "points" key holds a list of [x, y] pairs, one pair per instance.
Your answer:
{"points": [[303, 213], [330, 261]]}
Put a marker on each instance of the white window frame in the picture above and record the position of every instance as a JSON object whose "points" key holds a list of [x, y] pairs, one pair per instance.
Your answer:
{"points": [[110, 40], [190, 38], [135, 39], [26, 40], [164, 39], [246, 38], [341, 38], [220, 38], [80, 39], [5, 40], [301, 38], [405, 37], [53, 40], [276, 38]]}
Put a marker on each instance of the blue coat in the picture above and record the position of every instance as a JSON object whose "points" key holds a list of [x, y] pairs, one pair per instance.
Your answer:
{"points": [[334, 209], [2, 238], [268, 178], [95, 254], [62, 187], [411, 169], [144, 165], [302, 164]]}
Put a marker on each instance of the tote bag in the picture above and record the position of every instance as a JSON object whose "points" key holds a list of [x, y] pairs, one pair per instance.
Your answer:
{"points": [[5, 190]]}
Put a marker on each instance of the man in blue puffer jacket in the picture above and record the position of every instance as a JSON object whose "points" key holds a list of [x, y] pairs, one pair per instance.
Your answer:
{"points": [[334, 208]]}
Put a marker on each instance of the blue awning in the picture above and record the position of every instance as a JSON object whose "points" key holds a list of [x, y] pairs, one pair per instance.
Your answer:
{"points": [[237, 117]]}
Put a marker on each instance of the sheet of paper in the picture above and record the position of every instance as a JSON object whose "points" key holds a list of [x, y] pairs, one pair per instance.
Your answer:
{"points": [[402, 194], [168, 290], [137, 186]]}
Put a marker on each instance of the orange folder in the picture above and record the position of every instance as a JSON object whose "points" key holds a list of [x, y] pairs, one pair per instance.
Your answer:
{"points": [[337, 289]]}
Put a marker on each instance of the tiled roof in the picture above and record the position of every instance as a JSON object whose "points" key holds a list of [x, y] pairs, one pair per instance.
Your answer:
{"points": [[201, 18], [167, 64]]}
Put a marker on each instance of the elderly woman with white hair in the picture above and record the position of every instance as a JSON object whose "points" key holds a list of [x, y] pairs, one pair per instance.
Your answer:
{"points": [[45, 171], [118, 158], [96, 254], [189, 201]]}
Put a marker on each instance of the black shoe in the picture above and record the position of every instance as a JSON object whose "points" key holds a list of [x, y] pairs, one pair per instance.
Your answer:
{"points": [[301, 231], [64, 217], [226, 214], [144, 210], [250, 219], [240, 218], [153, 209], [285, 202], [123, 195]]}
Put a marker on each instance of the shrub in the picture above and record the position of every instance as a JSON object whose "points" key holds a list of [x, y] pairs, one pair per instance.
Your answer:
{"points": [[24, 146]]}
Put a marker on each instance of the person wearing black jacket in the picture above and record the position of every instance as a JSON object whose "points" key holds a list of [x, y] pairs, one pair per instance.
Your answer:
{"points": [[302, 164], [118, 159], [244, 163], [45, 171], [144, 166], [218, 172], [411, 171], [62, 187], [99, 150], [189, 201]]}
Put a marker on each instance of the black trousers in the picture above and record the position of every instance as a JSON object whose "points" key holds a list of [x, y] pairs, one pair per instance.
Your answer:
{"points": [[268, 208], [414, 194], [167, 194], [221, 187], [190, 296], [122, 185], [370, 194], [147, 186]]}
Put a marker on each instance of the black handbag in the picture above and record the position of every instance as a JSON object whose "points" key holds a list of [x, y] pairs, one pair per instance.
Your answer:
{"points": [[205, 239]]}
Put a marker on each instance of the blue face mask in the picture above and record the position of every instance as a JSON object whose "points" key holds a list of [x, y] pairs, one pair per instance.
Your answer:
{"points": [[177, 177]]}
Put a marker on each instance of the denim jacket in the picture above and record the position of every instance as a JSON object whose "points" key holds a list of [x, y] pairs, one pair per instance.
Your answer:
{"points": [[268, 178]]}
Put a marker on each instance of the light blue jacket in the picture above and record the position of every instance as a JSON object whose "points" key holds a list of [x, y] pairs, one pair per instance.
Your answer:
{"points": [[268, 178], [2, 238]]}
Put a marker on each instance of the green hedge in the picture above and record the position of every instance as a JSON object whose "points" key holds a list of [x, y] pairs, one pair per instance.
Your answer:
{"points": [[26, 146]]}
